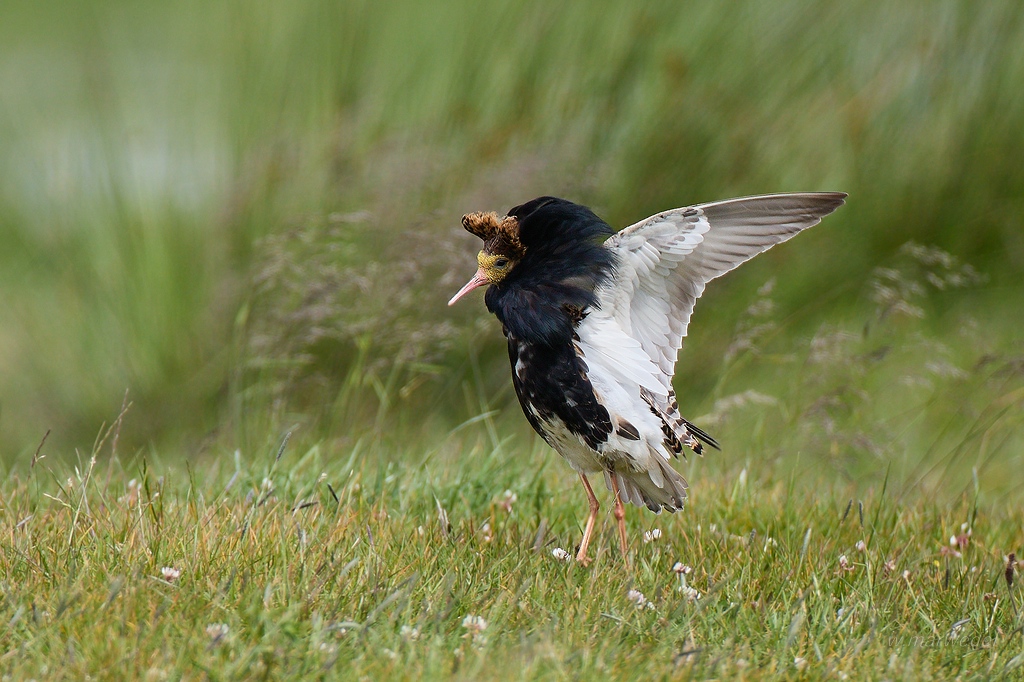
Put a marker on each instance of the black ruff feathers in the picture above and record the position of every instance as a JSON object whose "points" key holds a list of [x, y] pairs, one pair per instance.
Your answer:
{"points": [[539, 306], [563, 265]]}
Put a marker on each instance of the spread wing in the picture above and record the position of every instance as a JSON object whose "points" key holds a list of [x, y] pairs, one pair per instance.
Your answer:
{"points": [[666, 261]]}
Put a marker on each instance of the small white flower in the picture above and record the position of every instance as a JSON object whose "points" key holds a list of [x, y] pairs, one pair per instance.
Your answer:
{"points": [[170, 574], [952, 541], [420, 531], [217, 632], [131, 495], [683, 570], [652, 535], [474, 624], [637, 597], [799, 663], [769, 542], [844, 563], [861, 546], [508, 499], [486, 530], [560, 554], [409, 633]]}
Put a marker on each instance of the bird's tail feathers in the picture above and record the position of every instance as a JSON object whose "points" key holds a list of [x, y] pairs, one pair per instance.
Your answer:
{"points": [[662, 487]]}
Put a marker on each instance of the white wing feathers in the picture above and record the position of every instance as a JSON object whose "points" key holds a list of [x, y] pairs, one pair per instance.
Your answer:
{"points": [[665, 262], [629, 342]]}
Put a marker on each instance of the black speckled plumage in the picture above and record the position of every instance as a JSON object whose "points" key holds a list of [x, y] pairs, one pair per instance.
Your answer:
{"points": [[539, 306], [594, 322], [552, 384], [563, 265]]}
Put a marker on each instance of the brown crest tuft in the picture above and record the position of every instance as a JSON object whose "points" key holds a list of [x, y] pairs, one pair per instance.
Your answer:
{"points": [[500, 235]]}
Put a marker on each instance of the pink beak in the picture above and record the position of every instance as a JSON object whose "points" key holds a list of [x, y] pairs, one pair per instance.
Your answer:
{"points": [[479, 279]]}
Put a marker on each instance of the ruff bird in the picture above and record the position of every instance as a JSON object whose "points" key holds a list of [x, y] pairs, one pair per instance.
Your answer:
{"points": [[594, 320]]}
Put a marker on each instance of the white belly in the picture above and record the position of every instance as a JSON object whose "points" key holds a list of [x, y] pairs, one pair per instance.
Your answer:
{"points": [[581, 457]]}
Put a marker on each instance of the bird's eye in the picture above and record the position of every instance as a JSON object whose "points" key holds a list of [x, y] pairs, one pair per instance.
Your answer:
{"points": [[501, 263]]}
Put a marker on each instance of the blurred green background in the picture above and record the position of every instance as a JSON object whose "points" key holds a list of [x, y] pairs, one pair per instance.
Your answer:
{"points": [[246, 214]]}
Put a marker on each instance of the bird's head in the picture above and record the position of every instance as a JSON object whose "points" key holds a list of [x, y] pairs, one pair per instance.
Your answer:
{"points": [[547, 241], [501, 253]]}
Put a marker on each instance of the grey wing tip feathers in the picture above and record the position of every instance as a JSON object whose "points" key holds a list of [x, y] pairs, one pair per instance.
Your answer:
{"points": [[827, 202], [798, 209], [839, 198], [808, 207], [821, 203]]}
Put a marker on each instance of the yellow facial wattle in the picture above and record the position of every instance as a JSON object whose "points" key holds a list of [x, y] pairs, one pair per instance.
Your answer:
{"points": [[495, 265]]}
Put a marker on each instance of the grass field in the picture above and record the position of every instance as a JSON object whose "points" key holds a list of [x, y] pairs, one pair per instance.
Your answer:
{"points": [[222, 222], [849, 529], [315, 567]]}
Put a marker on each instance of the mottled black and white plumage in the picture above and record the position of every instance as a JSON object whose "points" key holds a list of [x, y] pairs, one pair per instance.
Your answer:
{"points": [[594, 321]]}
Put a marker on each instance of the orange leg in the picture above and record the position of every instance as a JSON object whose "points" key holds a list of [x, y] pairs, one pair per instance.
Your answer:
{"points": [[620, 514], [581, 556]]}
